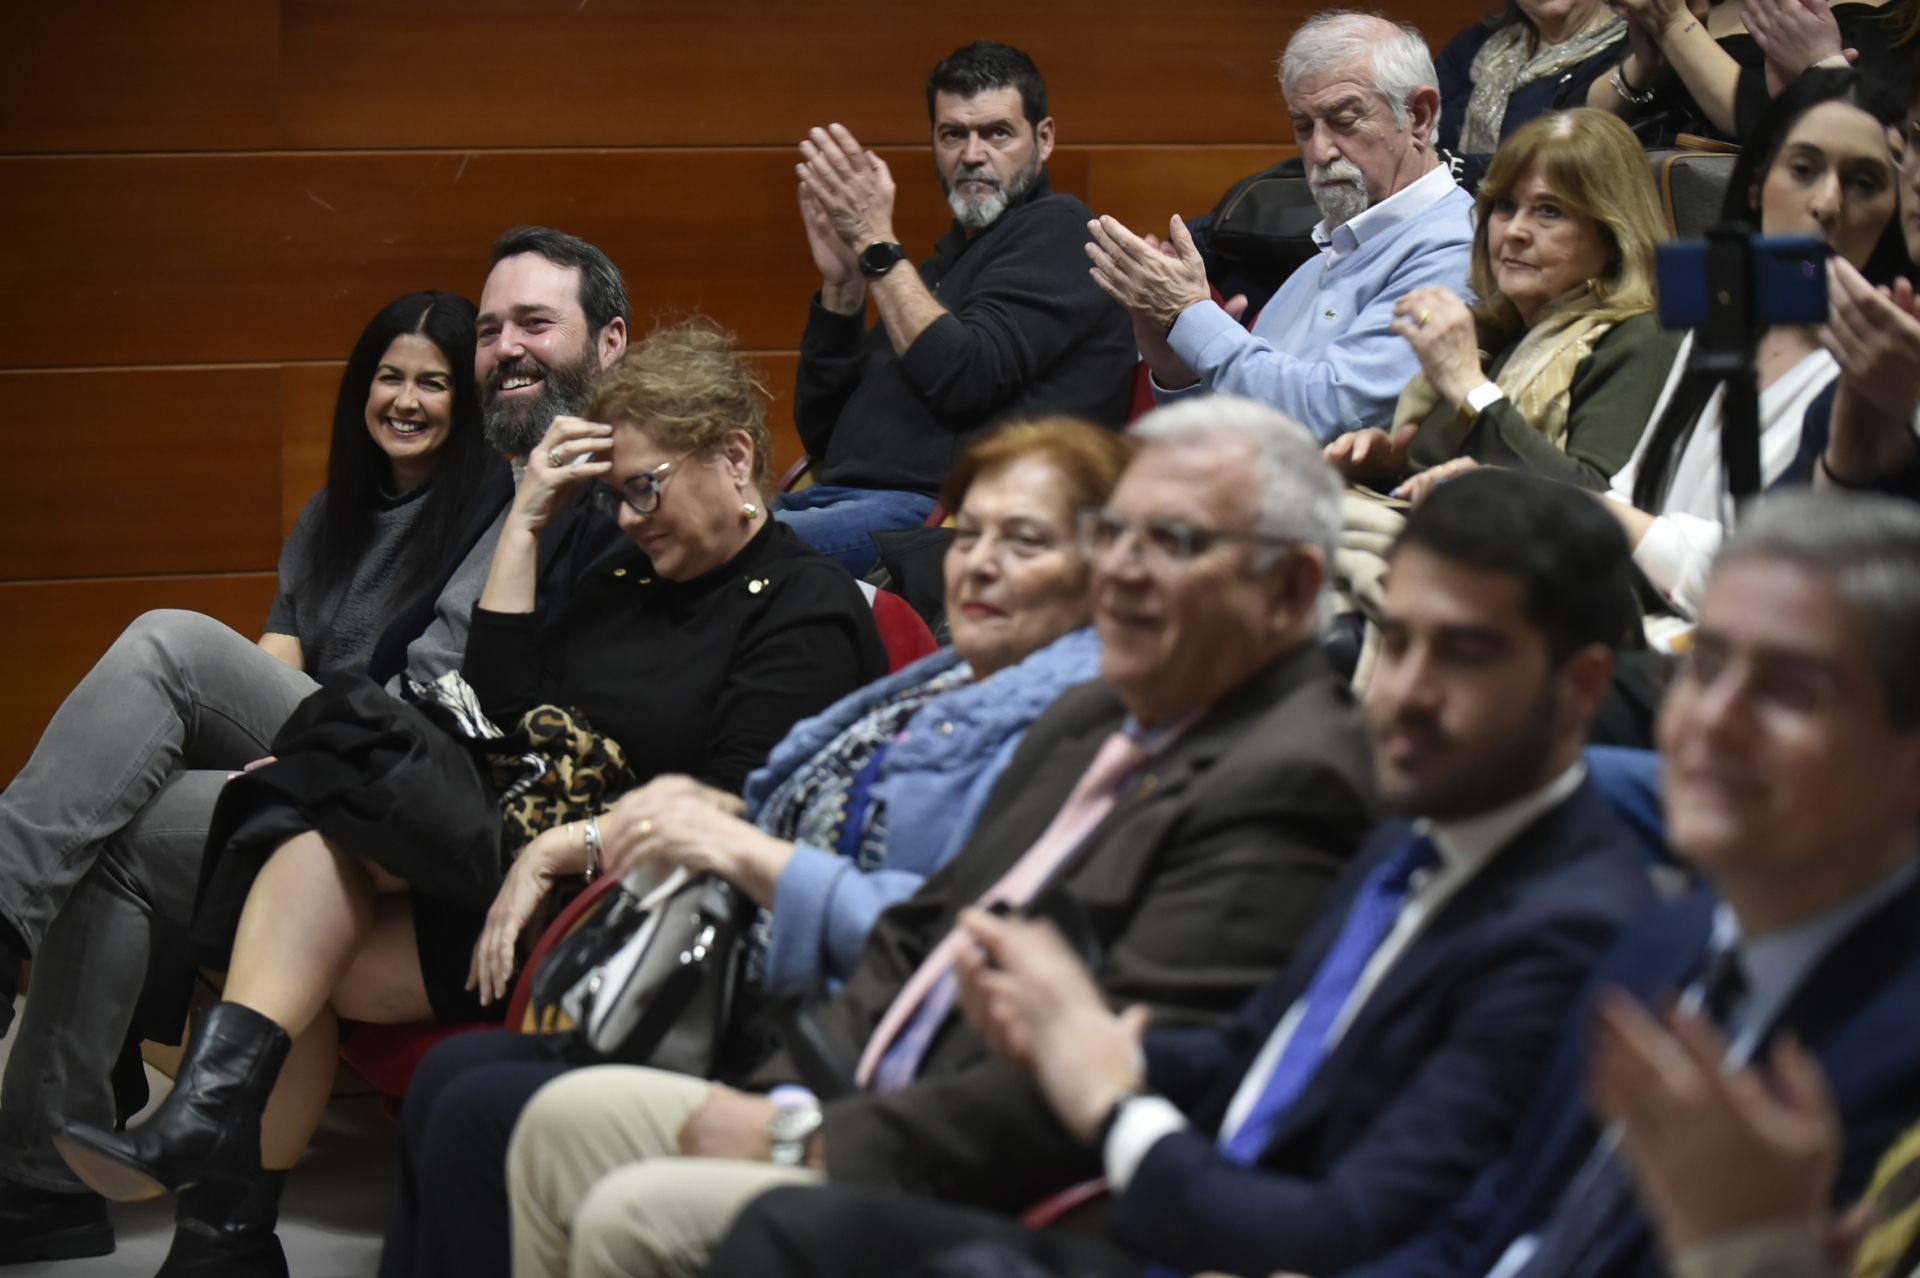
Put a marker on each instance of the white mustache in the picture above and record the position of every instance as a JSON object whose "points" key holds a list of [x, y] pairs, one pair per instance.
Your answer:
{"points": [[1336, 171]]}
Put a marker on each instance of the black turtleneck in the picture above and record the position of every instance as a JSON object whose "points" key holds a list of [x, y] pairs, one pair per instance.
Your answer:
{"points": [[700, 676]]}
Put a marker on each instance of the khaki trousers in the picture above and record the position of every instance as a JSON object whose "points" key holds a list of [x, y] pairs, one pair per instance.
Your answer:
{"points": [[599, 1189]]}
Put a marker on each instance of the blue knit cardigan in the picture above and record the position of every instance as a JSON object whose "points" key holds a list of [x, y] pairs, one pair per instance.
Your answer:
{"points": [[934, 782]]}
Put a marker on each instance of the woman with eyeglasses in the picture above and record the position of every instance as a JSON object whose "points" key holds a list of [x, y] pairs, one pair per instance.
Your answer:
{"points": [[854, 809], [353, 876]]}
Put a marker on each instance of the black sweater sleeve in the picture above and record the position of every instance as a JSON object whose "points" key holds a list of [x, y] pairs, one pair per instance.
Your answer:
{"points": [[503, 663], [831, 354], [814, 645], [1031, 304]]}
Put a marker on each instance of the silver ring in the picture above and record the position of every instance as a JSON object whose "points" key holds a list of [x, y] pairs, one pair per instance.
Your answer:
{"points": [[555, 458]]}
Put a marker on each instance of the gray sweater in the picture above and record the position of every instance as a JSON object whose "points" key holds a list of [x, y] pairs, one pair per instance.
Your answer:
{"points": [[337, 632]]}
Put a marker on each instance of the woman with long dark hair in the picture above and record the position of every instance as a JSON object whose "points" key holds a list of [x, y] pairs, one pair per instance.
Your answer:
{"points": [[101, 833], [1825, 161], [352, 877], [406, 460]]}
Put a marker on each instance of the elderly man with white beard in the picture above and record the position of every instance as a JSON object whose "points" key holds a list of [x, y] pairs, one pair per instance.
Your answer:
{"points": [[1361, 93]]}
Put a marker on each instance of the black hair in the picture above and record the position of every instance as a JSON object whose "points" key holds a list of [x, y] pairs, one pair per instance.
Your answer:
{"points": [[1888, 259], [1559, 541], [1762, 148], [987, 64], [359, 473], [603, 292]]}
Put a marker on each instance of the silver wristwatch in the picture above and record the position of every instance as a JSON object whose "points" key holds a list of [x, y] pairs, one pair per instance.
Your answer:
{"points": [[790, 1128]]}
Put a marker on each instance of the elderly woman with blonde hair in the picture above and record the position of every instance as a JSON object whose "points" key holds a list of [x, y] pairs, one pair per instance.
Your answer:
{"points": [[1563, 266], [353, 874]]}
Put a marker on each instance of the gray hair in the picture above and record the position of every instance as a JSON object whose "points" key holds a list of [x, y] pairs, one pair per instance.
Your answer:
{"points": [[1334, 40], [1299, 494], [1868, 546]]}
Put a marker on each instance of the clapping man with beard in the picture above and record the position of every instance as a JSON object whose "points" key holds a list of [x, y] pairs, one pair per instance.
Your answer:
{"points": [[1002, 321]]}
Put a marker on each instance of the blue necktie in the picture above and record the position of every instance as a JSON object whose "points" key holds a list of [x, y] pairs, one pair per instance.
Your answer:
{"points": [[1370, 918]]}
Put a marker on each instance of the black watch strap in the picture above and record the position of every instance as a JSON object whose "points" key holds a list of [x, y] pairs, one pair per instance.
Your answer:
{"points": [[879, 257]]}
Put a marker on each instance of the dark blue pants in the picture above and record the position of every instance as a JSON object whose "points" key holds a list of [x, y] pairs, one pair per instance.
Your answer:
{"points": [[839, 522], [459, 1114]]}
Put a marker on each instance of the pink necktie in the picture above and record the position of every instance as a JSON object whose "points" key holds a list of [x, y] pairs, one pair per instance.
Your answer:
{"points": [[1120, 757]]}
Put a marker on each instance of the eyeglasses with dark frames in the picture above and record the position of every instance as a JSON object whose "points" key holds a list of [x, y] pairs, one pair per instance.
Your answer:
{"points": [[1170, 543], [641, 494]]}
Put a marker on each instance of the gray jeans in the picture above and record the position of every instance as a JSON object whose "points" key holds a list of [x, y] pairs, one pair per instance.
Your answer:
{"points": [[105, 825]]}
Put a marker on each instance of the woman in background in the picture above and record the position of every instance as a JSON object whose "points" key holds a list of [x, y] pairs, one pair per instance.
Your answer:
{"points": [[1825, 161], [1567, 221]]}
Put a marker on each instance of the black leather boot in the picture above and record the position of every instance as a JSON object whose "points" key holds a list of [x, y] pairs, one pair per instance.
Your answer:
{"points": [[129, 1080], [208, 1127], [41, 1224], [9, 984], [224, 1229]]}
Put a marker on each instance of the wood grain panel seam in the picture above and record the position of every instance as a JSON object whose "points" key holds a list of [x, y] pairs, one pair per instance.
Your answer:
{"points": [[149, 578], [644, 149], [258, 365]]}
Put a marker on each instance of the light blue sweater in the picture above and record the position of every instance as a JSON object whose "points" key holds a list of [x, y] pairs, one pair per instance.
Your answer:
{"points": [[1321, 350], [934, 782]]}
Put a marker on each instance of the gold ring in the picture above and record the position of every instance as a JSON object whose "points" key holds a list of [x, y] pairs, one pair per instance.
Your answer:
{"points": [[556, 458], [645, 827], [1420, 320]]}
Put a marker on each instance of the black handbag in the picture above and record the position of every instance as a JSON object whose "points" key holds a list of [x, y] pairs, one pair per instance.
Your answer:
{"points": [[646, 977]]}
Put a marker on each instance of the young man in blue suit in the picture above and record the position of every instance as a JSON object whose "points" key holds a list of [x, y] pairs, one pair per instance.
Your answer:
{"points": [[1791, 740], [1358, 1093]]}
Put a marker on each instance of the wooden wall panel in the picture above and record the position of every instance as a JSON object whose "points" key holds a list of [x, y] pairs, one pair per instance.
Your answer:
{"points": [[203, 259], [130, 75], [52, 632], [677, 72], [358, 74], [117, 473]]}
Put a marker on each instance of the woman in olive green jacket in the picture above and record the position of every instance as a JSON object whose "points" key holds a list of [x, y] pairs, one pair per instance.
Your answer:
{"points": [[1563, 264]]}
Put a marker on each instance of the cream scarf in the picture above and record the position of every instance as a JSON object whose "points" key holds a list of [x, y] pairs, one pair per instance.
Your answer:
{"points": [[1503, 65]]}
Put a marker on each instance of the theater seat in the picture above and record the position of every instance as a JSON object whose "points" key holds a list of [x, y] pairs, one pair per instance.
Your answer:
{"points": [[1692, 185], [903, 632], [1052, 1211]]}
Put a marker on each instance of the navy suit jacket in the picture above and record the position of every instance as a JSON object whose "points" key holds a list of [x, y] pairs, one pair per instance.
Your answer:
{"points": [[1856, 1012], [1427, 1084]]}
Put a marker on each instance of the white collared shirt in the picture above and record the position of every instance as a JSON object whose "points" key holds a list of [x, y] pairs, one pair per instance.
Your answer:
{"points": [[1465, 848], [1404, 205]]}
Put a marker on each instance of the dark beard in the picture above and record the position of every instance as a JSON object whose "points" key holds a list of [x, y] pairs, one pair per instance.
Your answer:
{"points": [[516, 427]]}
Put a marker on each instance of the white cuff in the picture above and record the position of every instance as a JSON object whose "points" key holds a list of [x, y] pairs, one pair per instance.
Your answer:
{"points": [[1484, 396], [1142, 1122], [1779, 1249]]}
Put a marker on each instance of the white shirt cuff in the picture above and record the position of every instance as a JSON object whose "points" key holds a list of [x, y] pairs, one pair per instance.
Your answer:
{"points": [[1663, 553], [1142, 1122], [1483, 396], [1778, 1249]]}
